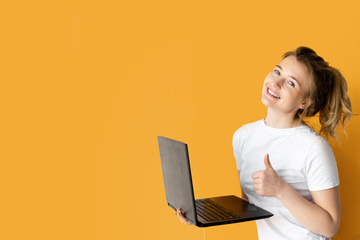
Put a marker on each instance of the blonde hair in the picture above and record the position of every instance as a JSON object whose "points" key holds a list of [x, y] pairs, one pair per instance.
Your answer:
{"points": [[328, 92]]}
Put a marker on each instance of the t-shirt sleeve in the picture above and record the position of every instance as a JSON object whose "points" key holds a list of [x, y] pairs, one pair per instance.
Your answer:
{"points": [[321, 168], [238, 143]]}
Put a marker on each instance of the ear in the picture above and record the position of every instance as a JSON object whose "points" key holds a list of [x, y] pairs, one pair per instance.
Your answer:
{"points": [[302, 105], [306, 103]]}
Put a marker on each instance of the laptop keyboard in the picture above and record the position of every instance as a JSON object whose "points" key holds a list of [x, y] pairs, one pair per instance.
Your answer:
{"points": [[211, 211]]}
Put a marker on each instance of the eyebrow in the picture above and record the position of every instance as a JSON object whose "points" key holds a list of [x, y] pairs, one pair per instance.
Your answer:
{"points": [[290, 75]]}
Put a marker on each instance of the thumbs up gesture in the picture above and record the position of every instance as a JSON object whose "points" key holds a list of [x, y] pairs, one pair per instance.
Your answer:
{"points": [[267, 183]]}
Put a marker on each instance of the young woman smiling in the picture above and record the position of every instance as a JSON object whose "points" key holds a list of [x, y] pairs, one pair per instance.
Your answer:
{"points": [[286, 167]]}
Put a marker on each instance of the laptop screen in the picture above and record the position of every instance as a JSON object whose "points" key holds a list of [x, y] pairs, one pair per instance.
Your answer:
{"points": [[177, 176]]}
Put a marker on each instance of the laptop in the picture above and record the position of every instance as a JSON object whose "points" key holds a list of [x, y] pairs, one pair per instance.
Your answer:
{"points": [[180, 194]]}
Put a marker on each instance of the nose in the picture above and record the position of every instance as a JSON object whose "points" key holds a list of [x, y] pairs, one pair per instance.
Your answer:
{"points": [[278, 82]]}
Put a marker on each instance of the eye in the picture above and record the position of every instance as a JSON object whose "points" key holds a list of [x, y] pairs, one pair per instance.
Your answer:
{"points": [[291, 83], [277, 72]]}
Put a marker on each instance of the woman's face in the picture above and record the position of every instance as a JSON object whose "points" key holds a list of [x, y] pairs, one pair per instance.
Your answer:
{"points": [[286, 86]]}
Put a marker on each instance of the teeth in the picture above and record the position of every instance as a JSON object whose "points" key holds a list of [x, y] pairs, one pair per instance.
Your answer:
{"points": [[272, 93]]}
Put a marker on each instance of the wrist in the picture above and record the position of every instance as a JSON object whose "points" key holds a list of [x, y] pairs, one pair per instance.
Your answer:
{"points": [[283, 188]]}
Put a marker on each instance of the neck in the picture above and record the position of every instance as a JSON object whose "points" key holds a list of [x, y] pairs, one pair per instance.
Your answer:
{"points": [[282, 120]]}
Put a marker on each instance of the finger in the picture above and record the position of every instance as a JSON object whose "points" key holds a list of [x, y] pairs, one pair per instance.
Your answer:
{"points": [[184, 220], [258, 189], [267, 162], [181, 217], [256, 186], [257, 181], [179, 214], [259, 192], [256, 174]]}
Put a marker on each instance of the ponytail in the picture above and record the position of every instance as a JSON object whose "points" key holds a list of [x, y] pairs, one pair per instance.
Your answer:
{"points": [[338, 106], [328, 93]]}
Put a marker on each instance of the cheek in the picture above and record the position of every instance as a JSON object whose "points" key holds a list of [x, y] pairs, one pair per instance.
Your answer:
{"points": [[264, 89], [302, 95], [266, 80], [299, 99], [268, 77]]}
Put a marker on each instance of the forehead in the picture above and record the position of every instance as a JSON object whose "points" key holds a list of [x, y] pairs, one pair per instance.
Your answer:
{"points": [[297, 69]]}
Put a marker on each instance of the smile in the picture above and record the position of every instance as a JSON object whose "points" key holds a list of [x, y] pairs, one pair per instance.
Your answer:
{"points": [[272, 93]]}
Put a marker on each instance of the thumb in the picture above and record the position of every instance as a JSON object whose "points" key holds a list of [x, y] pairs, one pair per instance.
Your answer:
{"points": [[267, 162]]}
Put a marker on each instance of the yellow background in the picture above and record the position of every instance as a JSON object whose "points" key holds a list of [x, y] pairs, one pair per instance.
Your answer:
{"points": [[86, 86]]}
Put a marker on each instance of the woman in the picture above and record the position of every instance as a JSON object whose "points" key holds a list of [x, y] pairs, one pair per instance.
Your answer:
{"points": [[284, 166]]}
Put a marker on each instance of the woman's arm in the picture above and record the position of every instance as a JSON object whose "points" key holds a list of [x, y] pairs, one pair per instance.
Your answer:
{"points": [[321, 217], [243, 194]]}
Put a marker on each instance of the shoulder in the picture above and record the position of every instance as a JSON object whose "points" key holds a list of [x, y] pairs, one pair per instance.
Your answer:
{"points": [[247, 128], [320, 146], [244, 131], [318, 150], [320, 165], [310, 137]]}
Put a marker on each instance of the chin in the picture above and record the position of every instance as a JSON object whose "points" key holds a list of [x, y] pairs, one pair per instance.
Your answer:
{"points": [[265, 103], [263, 100]]}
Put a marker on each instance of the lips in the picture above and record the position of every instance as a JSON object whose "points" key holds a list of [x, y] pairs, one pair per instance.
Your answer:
{"points": [[273, 94]]}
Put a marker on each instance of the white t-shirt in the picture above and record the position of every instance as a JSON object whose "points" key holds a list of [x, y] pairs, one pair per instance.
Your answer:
{"points": [[300, 156]]}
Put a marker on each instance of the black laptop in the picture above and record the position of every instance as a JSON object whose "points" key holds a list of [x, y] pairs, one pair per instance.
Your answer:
{"points": [[179, 192]]}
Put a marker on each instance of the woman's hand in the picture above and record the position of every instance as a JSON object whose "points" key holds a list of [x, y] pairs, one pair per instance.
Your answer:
{"points": [[267, 183], [321, 216], [182, 218]]}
